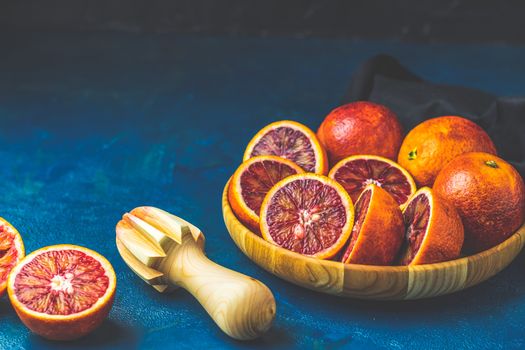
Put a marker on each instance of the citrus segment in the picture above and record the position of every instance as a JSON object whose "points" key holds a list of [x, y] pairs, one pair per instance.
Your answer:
{"points": [[433, 233], [252, 180], [356, 172], [290, 140], [309, 214], [61, 282], [378, 229], [11, 251], [62, 292], [361, 207], [416, 215]]}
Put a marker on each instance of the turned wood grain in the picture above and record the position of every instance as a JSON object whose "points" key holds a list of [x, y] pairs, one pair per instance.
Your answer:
{"points": [[428, 280], [167, 253], [242, 307], [488, 263], [372, 282]]}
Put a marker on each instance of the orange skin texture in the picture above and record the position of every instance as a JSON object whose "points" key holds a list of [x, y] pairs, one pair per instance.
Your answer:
{"points": [[444, 236], [381, 233], [242, 215], [490, 201], [438, 141], [360, 128], [66, 329]]}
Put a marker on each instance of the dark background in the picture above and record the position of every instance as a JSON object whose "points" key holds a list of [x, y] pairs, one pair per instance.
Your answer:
{"points": [[108, 105], [406, 20]]}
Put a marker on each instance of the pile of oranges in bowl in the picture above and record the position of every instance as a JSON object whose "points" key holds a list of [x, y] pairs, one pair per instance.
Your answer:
{"points": [[359, 191]]}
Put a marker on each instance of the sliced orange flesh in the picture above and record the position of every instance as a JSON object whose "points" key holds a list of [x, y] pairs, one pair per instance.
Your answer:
{"points": [[361, 208], [8, 252], [308, 214], [290, 140], [416, 216], [250, 183], [61, 282], [11, 252], [259, 177], [356, 172]]}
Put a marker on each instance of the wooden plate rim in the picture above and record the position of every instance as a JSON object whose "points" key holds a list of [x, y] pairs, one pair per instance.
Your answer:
{"points": [[514, 241]]}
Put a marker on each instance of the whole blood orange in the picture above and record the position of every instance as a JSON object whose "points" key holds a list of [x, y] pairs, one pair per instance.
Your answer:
{"points": [[378, 229], [356, 172], [252, 180], [290, 140], [432, 144], [434, 232], [360, 128], [62, 292], [11, 251], [308, 214], [489, 195]]}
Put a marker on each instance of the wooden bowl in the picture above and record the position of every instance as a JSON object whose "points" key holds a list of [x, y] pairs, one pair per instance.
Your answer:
{"points": [[372, 282]]}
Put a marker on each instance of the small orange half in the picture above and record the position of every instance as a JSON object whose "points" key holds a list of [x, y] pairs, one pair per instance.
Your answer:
{"points": [[291, 140], [433, 233], [62, 292], [356, 172], [308, 214], [378, 230], [252, 180], [11, 251]]}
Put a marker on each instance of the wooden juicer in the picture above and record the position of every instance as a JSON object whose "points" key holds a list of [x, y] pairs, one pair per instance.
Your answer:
{"points": [[168, 252]]}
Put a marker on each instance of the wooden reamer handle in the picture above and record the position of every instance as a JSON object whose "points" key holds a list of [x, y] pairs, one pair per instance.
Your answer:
{"points": [[241, 306]]}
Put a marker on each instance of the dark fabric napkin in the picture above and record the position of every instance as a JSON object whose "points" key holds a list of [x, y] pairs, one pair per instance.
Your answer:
{"points": [[382, 79]]}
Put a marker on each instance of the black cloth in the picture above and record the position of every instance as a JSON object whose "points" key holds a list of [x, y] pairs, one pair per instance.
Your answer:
{"points": [[382, 79]]}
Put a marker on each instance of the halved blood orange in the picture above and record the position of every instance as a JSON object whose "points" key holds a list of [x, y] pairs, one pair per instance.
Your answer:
{"points": [[434, 232], [355, 172], [378, 229], [11, 251], [62, 292], [252, 180], [290, 140], [308, 214]]}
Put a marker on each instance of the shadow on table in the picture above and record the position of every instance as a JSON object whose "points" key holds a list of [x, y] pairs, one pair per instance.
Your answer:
{"points": [[5, 307], [274, 338], [109, 335]]}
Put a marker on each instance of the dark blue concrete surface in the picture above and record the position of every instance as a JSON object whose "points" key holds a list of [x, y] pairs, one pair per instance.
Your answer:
{"points": [[94, 125]]}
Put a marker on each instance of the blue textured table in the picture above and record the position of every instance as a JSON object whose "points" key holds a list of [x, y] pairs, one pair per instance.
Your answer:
{"points": [[94, 125]]}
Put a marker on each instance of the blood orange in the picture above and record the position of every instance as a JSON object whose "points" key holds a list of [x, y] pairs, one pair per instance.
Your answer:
{"points": [[252, 180], [11, 251], [360, 127], [378, 229], [434, 232], [432, 144], [309, 214], [489, 195], [62, 292], [290, 140], [356, 172]]}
